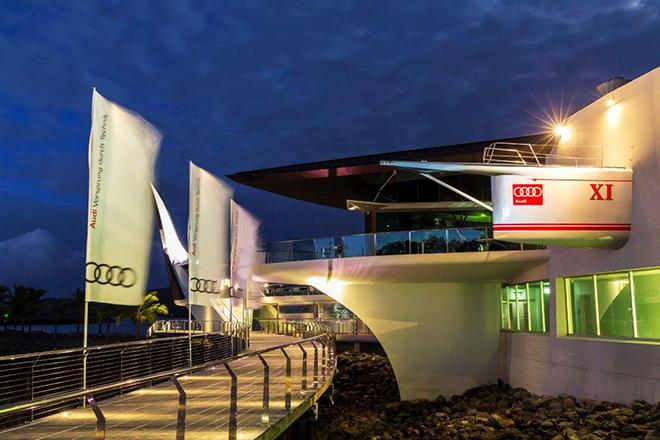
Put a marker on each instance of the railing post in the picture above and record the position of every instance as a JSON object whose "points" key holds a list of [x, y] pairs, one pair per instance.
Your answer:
{"points": [[121, 369], [323, 359], [99, 432], [233, 403], [265, 415], [303, 389], [150, 363], [287, 382], [31, 384], [181, 413], [315, 377]]}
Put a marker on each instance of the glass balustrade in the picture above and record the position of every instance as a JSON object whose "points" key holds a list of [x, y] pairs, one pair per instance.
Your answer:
{"points": [[427, 241]]}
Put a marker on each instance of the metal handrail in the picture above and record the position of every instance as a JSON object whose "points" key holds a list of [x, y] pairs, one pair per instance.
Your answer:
{"points": [[64, 397], [411, 242], [335, 324], [40, 375], [322, 340], [196, 325], [517, 154]]}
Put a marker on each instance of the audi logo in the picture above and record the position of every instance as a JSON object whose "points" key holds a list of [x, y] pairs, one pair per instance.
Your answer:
{"points": [[202, 285], [105, 274], [528, 191]]}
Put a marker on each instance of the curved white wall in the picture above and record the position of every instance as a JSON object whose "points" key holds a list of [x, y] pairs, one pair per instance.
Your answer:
{"points": [[436, 316]]}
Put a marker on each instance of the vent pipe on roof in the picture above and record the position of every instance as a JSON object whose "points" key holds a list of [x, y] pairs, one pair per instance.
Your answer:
{"points": [[611, 84]]}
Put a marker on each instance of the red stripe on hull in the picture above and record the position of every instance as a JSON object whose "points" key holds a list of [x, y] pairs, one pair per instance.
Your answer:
{"points": [[561, 228]]}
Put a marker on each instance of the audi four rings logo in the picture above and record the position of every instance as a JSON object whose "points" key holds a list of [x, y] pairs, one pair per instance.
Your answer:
{"points": [[105, 274], [528, 194], [203, 285]]}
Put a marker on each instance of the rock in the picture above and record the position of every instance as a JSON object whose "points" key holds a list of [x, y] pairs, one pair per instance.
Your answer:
{"points": [[368, 407]]}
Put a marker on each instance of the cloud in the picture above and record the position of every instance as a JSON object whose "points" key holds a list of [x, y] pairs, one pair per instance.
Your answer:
{"points": [[244, 85], [39, 259]]}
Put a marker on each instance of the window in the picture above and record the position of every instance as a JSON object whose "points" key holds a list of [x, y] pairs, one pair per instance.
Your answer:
{"points": [[621, 304], [524, 306], [583, 305], [646, 285]]}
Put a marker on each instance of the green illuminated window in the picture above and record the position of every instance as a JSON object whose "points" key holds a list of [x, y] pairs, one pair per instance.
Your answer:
{"points": [[622, 304], [583, 305], [647, 302], [524, 306]]}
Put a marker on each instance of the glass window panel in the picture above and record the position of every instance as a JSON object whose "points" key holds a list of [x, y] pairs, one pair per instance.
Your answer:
{"points": [[391, 243], [546, 304], [467, 239], [647, 302], [536, 306], [428, 242], [614, 305], [356, 245], [504, 310], [513, 315], [316, 248], [583, 310], [523, 317]]}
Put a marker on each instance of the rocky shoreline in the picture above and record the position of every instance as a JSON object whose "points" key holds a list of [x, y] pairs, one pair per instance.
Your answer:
{"points": [[367, 406]]}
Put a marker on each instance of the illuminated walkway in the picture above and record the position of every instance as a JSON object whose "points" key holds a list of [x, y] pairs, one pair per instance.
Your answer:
{"points": [[152, 412]]}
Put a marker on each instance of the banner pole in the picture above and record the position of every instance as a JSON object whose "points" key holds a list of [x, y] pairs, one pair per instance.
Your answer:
{"points": [[190, 360], [85, 325]]}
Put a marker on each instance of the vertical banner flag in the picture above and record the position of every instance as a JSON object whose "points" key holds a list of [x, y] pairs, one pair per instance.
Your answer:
{"points": [[176, 256], [208, 235], [122, 153], [244, 243]]}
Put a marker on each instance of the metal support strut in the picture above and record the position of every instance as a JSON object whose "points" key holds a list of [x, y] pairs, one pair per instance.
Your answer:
{"points": [[457, 191], [99, 433], [181, 413]]}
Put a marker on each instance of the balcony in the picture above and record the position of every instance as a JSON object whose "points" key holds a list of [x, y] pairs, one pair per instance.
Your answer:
{"points": [[426, 241]]}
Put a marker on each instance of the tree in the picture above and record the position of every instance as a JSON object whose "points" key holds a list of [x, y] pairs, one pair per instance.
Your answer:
{"points": [[148, 311], [104, 313], [119, 313], [23, 302], [78, 297]]}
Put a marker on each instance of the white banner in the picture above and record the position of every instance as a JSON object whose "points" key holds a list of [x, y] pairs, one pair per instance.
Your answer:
{"points": [[176, 256], [122, 153], [244, 244], [208, 235]]}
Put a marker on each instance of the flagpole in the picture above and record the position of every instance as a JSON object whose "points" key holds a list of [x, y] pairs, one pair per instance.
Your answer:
{"points": [[190, 359], [85, 325]]}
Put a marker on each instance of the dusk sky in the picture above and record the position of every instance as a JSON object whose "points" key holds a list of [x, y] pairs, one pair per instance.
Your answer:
{"points": [[243, 85]]}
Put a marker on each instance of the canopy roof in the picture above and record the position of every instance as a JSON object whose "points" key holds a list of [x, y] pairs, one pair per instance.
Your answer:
{"points": [[333, 182]]}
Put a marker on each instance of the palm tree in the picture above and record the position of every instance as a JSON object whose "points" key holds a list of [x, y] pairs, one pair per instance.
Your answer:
{"points": [[104, 313], [4, 306], [23, 302], [78, 297], [148, 311], [119, 313]]}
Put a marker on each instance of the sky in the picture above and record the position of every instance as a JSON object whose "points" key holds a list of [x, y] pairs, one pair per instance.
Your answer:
{"points": [[243, 85]]}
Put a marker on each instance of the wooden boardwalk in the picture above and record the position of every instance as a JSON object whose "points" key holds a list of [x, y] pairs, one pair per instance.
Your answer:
{"points": [[151, 413]]}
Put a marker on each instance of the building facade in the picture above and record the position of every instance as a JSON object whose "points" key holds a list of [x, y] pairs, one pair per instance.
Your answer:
{"points": [[563, 305]]}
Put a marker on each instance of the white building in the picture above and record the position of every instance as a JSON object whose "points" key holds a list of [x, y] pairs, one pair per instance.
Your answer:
{"points": [[455, 307]]}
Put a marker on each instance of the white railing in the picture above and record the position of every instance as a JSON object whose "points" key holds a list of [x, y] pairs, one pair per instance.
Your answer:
{"points": [[538, 155]]}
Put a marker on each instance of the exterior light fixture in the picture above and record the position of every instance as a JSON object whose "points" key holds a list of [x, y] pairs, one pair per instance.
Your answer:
{"points": [[562, 131], [610, 102], [65, 414]]}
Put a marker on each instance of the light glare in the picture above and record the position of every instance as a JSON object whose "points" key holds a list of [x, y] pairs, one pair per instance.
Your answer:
{"points": [[562, 131]]}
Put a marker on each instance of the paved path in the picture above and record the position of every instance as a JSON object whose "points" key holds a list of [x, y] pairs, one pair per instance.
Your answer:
{"points": [[151, 413]]}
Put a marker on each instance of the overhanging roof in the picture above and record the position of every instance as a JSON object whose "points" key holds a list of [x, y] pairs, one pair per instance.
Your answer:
{"points": [[332, 182]]}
